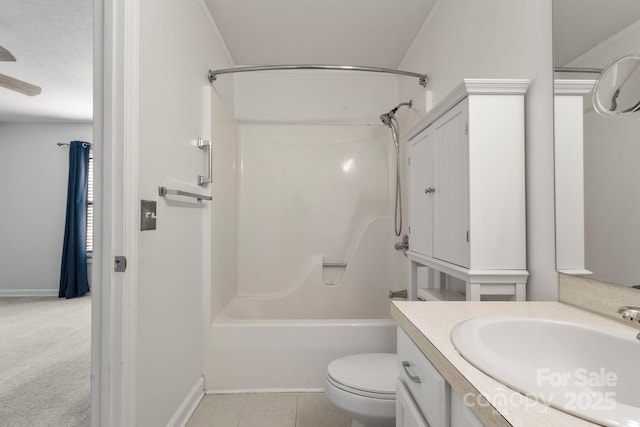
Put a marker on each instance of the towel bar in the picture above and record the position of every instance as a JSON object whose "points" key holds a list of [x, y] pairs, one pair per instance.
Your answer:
{"points": [[163, 191]]}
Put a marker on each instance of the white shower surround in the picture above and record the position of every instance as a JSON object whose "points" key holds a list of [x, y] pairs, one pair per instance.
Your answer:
{"points": [[308, 194], [360, 292], [306, 191]]}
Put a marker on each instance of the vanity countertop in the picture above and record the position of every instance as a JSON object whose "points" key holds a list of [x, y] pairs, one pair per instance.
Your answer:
{"points": [[429, 324]]}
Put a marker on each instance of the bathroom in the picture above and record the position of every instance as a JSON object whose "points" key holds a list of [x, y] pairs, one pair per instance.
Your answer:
{"points": [[171, 293]]}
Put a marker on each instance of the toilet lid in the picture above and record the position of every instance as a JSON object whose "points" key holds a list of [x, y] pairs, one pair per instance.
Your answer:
{"points": [[373, 373]]}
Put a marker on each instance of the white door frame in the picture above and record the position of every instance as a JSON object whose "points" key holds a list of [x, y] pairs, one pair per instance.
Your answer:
{"points": [[114, 295]]}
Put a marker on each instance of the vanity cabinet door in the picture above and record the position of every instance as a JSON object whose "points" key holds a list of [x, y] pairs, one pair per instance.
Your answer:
{"points": [[461, 415], [421, 184], [407, 413]]}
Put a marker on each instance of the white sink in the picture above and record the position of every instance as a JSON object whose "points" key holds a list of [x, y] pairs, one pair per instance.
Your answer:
{"points": [[576, 369]]}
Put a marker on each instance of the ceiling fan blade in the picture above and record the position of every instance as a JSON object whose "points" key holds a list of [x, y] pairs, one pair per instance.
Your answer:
{"points": [[5, 55], [19, 85]]}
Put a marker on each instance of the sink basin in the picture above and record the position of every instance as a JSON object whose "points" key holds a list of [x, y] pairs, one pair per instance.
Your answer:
{"points": [[580, 370]]}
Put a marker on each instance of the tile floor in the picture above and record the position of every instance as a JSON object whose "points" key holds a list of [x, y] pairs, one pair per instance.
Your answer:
{"points": [[267, 410]]}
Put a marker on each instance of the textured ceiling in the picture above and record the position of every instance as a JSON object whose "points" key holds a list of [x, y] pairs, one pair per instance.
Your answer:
{"points": [[579, 25], [52, 41]]}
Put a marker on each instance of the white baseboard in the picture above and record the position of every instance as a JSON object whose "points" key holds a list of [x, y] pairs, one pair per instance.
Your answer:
{"points": [[28, 292], [188, 407]]}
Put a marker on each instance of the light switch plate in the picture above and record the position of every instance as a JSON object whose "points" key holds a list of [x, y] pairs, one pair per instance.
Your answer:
{"points": [[147, 215]]}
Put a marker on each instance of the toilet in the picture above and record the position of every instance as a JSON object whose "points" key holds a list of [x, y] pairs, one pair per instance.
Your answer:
{"points": [[364, 387]]}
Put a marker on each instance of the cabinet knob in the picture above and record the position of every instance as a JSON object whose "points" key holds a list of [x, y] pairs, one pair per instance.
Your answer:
{"points": [[429, 190]]}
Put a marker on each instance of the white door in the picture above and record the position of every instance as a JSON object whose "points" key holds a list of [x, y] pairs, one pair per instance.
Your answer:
{"points": [[451, 215], [115, 143], [421, 197]]}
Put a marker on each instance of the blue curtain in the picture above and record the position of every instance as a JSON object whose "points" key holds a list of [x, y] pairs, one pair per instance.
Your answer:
{"points": [[73, 272]]}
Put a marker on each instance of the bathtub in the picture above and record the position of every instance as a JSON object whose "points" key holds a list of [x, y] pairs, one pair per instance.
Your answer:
{"points": [[283, 341], [274, 354]]}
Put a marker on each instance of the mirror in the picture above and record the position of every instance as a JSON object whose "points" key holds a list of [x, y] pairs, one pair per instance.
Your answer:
{"points": [[617, 90], [598, 151]]}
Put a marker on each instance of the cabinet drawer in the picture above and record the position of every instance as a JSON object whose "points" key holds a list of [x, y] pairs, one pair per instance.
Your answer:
{"points": [[428, 388]]}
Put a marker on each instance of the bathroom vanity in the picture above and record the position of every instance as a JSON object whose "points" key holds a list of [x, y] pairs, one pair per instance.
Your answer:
{"points": [[423, 397], [453, 392], [466, 182]]}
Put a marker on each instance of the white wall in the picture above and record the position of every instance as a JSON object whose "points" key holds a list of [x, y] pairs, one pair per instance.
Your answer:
{"points": [[33, 173], [612, 205], [499, 39], [611, 153], [177, 46]]}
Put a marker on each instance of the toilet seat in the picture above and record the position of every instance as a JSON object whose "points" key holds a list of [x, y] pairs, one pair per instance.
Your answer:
{"points": [[370, 375], [359, 392]]}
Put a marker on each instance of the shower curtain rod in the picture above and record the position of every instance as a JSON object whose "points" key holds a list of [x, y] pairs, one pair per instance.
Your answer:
{"points": [[60, 144], [213, 74], [577, 70]]}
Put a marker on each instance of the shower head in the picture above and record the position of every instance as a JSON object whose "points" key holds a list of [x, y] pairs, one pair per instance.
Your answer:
{"points": [[387, 117]]}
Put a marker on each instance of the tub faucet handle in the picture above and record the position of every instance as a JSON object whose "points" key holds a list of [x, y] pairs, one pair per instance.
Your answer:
{"points": [[403, 245]]}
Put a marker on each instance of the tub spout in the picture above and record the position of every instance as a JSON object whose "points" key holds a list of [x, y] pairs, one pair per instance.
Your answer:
{"points": [[398, 294]]}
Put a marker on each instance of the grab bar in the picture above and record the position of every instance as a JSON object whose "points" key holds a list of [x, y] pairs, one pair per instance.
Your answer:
{"points": [[202, 144], [334, 265], [163, 191]]}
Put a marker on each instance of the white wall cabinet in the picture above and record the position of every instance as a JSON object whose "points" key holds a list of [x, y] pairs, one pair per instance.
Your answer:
{"points": [[569, 174], [421, 153], [438, 159], [467, 191], [423, 396]]}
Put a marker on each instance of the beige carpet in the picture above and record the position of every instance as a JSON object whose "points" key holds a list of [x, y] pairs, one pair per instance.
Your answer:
{"points": [[45, 359]]}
